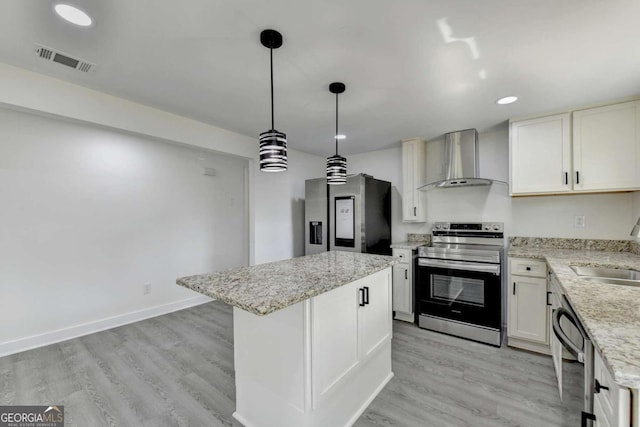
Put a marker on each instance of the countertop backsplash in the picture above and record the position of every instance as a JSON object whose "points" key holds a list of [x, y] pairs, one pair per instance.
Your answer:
{"points": [[576, 244], [412, 237]]}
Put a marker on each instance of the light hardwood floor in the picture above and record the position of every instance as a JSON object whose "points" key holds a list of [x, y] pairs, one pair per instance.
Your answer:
{"points": [[177, 370]]}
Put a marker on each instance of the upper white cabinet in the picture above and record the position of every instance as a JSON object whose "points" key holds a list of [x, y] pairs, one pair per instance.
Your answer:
{"points": [[413, 176], [606, 147], [541, 155], [603, 154]]}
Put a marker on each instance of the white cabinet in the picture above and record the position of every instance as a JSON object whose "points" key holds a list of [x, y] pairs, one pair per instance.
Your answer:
{"points": [[374, 318], [335, 337], [527, 304], [403, 285], [612, 403], [601, 154], [348, 325], [554, 344], [606, 148], [316, 363], [413, 176], [540, 155]]}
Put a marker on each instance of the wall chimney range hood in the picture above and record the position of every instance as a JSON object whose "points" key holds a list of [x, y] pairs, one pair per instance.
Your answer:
{"points": [[461, 168]]}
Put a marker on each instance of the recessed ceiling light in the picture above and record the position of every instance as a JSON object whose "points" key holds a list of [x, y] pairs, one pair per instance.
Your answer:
{"points": [[507, 100], [73, 15], [341, 136]]}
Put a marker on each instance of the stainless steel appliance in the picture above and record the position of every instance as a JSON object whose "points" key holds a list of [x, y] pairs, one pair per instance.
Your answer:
{"points": [[459, 285], [572, 336], [354, 217], [461, 165]]}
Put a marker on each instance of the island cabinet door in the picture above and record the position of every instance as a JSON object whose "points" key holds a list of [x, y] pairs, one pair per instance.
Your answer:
{"points": [[334, 347], [375, 316]]}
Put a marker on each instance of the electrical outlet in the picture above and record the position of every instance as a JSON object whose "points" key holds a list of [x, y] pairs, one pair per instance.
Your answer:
{"points": [[579, 221], [146, 288]]}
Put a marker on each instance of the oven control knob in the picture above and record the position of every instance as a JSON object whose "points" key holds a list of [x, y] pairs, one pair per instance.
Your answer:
{"points": [[487, 227], [496, 227], [445, 226], [438, 226]]}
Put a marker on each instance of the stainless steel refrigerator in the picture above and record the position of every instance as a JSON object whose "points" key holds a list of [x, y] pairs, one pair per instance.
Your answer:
{"points": [[354, 217]]}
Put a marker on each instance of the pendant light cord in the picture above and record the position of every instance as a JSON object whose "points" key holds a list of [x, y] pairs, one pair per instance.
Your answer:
{"points": [[271, 61], [336, 135]]}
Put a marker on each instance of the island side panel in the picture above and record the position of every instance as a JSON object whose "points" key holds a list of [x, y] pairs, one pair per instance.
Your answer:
{"points": [[271, 366]]}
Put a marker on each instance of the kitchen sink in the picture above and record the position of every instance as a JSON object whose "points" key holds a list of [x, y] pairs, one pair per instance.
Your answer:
{"points": [[612, 276], [610, 281], [606, 273]]}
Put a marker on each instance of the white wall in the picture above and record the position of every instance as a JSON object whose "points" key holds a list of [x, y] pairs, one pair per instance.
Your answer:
{"points": [[30, 91], [608, 216], [90, 215], [94, 174], [279, 208]]}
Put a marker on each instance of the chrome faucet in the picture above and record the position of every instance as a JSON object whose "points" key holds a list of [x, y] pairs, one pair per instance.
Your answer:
{"points": [[636, 229]]}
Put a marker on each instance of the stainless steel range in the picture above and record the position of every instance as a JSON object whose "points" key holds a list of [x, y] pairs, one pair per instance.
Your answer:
{"points": [[458, 286]]}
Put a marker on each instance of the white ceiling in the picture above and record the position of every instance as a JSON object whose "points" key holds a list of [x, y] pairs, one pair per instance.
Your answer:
{"points": [[405, 74]]}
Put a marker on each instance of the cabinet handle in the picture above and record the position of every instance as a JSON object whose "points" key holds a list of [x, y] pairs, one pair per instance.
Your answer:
{"points": [[585, 416], [528, 268], [514, 288], [406, 274], [366, 295], [600, 387], [548, 293], [566, 178], [361, 300], [415, 211], [577, 177]]}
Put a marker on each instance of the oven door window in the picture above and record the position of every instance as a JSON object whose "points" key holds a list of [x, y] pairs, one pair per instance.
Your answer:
{"points": [[460, 290], [466, 296]]}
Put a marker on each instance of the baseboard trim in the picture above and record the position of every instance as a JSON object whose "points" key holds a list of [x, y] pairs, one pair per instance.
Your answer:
{"points": [[367, 402], [529, 346], [405, 317], [64, 334]]}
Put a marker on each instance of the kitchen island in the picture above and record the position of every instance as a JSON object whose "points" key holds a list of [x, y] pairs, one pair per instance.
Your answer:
{"points": [[312, 336]]}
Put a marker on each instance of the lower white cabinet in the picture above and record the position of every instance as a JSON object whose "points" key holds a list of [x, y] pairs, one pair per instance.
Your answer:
{"points": [[611, 403], [348, 325], [335, 337], [554, 344], [316, 363], [528, 304], [403, 285]]}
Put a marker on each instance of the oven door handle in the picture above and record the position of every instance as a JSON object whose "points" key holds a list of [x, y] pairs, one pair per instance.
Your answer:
{"points": [[459, 265]]}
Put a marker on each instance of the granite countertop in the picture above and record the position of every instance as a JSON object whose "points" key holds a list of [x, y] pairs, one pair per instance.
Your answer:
{"points": [[265, 288], [609, 313], [407, 245]]}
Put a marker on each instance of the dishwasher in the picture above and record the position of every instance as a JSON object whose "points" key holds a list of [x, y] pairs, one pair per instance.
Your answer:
{"points": [[572, 336]]}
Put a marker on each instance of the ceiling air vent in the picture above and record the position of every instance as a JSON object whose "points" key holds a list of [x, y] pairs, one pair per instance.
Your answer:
{"points": [[53, 55]]}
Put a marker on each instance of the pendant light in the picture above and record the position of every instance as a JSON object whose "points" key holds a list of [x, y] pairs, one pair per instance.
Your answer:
{"points": [[273, 144], [337, 165]]}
